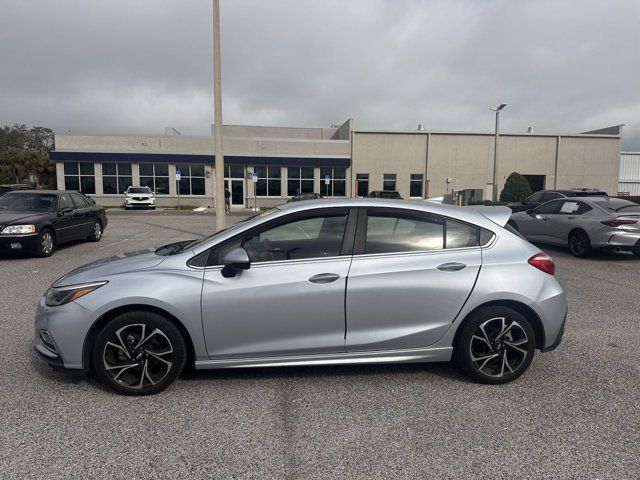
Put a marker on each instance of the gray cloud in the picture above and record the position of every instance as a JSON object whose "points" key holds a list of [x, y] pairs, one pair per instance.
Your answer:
{"points": [[137, 66]]}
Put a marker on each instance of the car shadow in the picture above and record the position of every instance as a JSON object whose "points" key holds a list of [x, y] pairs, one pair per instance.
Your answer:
{"points": [[445, 370]]}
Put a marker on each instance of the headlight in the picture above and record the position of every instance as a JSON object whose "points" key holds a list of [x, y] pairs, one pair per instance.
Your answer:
{"points": [[18, 229], [56, 296]]}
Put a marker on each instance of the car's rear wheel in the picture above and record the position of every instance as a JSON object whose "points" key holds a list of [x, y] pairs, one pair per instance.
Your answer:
{"points": [[580, 244], [96, 233], [495, 345], [46, 243], [139, 353]]}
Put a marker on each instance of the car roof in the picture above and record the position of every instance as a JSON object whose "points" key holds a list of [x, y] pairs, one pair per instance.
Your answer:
{"points": [[468, 214], [43, 192]]}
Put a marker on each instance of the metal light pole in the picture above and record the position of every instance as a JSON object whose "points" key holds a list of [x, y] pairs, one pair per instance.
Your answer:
{"points": [[494, 195], [217, 120]]}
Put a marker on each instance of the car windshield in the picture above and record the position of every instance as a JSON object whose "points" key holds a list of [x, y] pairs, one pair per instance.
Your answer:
{"points": [[138, 190], [621, 206], [27, 202], [177, 247]]}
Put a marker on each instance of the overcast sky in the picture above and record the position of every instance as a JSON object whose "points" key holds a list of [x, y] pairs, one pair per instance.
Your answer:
{"points": [[136, 66]]}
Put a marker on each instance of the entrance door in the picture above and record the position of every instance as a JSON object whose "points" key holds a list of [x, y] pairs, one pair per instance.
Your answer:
{"points": [[236, 187]]}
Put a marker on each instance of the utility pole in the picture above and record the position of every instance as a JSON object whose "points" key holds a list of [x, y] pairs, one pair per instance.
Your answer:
{"points": [[494, 195], [217, 121]]}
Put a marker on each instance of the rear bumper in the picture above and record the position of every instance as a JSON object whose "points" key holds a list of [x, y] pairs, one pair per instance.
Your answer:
{"points": [[558, 338], [19, 243], [627, 241]]}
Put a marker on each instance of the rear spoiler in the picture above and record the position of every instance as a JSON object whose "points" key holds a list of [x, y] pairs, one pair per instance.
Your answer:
{"points": [[498, 215]]}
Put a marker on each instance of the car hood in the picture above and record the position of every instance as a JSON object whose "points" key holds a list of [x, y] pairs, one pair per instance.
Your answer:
{"points": [[8, 217], [106, 267]]}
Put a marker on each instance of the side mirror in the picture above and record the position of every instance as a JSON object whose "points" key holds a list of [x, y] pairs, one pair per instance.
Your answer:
{"points": [[64, 211], [236, 259]]}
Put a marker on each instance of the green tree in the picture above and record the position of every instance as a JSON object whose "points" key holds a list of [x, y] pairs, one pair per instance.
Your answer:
{"points": [[24, 152], [516, 188]]}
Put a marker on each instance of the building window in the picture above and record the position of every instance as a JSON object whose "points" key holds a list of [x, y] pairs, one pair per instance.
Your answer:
{"points": [[333, 182], [416, 185], [268, 184], [389, 182], [116, 177], [234, 171], [80, 176], [299, 180], [362, 184], [156, 177], [191, 179]]}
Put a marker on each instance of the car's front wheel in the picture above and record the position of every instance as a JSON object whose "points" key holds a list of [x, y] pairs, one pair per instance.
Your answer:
{"points": [[96, 233], [46, 243], [139, 353], [495, 345]]}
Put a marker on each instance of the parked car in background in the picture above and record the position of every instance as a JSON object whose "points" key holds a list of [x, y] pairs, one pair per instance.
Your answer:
{"points": [[544, 196], [6, 188], [341, 281], [304, 196], [385, 194], [584, 224], [37, 221], [139, 197]]}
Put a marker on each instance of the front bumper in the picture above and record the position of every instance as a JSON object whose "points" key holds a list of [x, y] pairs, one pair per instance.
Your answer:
{"points": [[67, 327], [19, 243], [131, 202]]}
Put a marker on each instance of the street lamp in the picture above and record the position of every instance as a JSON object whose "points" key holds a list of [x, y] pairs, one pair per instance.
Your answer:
{"points": [[217, 121], [494, 195]]}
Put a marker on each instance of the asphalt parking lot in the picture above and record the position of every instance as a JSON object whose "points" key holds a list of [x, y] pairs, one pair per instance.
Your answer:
{"points": [[574, 414]]}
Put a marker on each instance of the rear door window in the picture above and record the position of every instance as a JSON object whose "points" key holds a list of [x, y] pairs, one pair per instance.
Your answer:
{"points": [[391, 232]]}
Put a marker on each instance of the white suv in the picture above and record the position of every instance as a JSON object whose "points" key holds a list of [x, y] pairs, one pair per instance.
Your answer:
{"points": [[139, 197]]}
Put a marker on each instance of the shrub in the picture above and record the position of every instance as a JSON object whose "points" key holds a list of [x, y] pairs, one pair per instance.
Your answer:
{"points": [[516, 188]]}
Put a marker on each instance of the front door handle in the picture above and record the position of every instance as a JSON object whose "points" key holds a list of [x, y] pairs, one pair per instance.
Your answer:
{"points": [[324, 278], [451, 267]]}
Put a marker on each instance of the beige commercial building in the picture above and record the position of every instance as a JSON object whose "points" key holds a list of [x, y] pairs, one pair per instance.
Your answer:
{"points": [[264, 166]]}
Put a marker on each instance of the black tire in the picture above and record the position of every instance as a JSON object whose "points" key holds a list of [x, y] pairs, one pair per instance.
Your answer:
{"points": [[580, 244], [46, 243], [118, 345], [482, 356], [96, 232]]}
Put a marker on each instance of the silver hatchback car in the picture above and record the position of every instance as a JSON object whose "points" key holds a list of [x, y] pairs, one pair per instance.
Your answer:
{"points": [[312, 283]]}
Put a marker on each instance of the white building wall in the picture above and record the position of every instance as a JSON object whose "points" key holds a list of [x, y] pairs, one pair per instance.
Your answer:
{"points": [[629, 173]]}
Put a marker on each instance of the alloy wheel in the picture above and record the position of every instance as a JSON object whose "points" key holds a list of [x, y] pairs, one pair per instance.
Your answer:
{"points": [[97, 230], [579, 243], [46, 242], [137, 359], [499, 347]]}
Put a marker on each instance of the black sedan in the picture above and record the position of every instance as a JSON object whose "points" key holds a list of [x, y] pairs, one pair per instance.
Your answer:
{"points": [[37, 221]]}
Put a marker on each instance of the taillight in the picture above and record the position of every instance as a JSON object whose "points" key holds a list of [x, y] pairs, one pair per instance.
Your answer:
{"points": [[543, 262], [618, 222]]}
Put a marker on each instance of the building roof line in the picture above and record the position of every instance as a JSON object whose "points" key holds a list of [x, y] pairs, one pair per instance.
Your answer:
{"points": [[505, 134]]}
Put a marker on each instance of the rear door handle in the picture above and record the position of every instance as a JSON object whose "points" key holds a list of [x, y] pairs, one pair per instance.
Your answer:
{"points": [[451, 267], [324, 278]]}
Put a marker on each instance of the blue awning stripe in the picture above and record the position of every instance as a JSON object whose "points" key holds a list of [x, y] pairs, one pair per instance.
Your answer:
{"points": [[181, 158]]}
